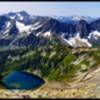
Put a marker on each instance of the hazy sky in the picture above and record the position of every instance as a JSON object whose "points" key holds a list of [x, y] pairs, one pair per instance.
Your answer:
{"points": [[53, 8]]}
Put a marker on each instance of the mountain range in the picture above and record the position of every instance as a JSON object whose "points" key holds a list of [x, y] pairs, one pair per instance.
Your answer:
{"points": [[22, 29]]}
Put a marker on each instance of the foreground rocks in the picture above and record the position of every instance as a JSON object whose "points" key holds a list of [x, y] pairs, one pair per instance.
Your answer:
{"points": [[47, 92]]}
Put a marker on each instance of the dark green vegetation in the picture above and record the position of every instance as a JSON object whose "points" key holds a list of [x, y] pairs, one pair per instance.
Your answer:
{"points": [[52, 62]]}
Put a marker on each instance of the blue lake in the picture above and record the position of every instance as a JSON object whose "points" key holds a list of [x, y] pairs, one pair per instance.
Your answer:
{"points": [[22, 80]]}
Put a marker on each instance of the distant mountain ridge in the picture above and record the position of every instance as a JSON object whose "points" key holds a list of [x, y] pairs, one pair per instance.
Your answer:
{"points": [[75, 31]]}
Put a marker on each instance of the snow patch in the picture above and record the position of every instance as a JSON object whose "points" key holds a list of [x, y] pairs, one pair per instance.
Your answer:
{"points": [[78, 42], [7, 29], [35, 27], [12, 17], [8, 24], [94, 35], [20, 17], [22, 28], [38, 34], [37, 23], [47, 34]]}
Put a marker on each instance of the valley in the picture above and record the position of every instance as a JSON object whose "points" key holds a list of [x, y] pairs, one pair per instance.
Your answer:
{"points": [[64, 52]]}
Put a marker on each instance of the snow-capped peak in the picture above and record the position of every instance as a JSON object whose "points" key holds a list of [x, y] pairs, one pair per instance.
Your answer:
{"points": [[18, 15], [86, 18]]}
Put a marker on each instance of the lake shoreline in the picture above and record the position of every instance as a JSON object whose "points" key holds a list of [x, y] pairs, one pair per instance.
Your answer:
{"points": [[48, 91], [88, 88]]}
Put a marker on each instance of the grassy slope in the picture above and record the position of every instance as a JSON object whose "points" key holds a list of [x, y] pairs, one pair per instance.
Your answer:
{"points": [[53, 62]]}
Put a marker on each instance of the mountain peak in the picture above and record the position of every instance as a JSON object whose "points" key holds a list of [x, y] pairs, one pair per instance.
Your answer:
{"points": [[23, 13]]}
